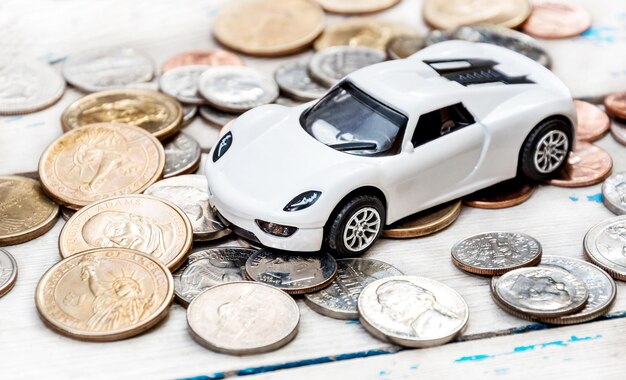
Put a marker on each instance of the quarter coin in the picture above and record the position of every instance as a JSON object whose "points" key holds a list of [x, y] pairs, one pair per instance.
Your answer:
{"points": [[107, 68], [8, 272], [294, 80], [504, 194], [339, 299], [273, 28], [556, 19], [215, 57], [182, 83], [157, 113], [294, 273], [217, 117], [605, 244], [587, 165], [426, 222], [104, 294], [237, 88], [601, 287], [207, 267], [614, 193], [361, 32], [190, 193], [593, 123], [242, 318], [99, 161], [541, 292], [182, 155], [349, 7], [27, 85], [412, 311], [494, 253], [139, 222], [25, 210], [615, 105], [451, 14], [404, 46], [330, 65]]}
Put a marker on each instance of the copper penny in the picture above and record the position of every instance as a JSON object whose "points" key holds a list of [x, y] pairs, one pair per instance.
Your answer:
{"points": [[587, 165], [99, 161], [618, 131], [593, 123], [615, 105], [426, 222], [556, 19], [206, 57], [451, 14], [105, 294], [140, 222], [504, 194], [25, 210]]}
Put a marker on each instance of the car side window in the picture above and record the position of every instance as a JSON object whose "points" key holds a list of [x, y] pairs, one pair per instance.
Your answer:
{"points": [[440, 122]]}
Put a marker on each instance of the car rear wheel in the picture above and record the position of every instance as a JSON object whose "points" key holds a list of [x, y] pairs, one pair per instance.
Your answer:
{"points": [[356, 226], [546, 149]]}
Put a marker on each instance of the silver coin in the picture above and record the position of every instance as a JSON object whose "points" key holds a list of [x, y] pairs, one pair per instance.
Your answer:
{"points": [[436, 36], [601, 287], [27, 85], [605, 246], [243, 318], [190, 193], [189, 112], [412, 311], [618, 131], [8, 272], [207, 267], [494, 253], [182, 83], [294, 80], [330, 65], [496, 35], [400, 47], [287, 102], [182, 155], [67, 213], [236, 88], [217, 117], [614, 193], [541, 292], [294, 273], [107, 68], [338, 300]]}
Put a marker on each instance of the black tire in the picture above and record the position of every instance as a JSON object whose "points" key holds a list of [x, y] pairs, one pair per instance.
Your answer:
{"points": [[336, 226], [527, 163]]}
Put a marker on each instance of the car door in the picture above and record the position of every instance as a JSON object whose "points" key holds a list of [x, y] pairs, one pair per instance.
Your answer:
{"points": [[446, 146]]}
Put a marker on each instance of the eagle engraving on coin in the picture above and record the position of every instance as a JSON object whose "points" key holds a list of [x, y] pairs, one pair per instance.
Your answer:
{"points": [[539, 291]]}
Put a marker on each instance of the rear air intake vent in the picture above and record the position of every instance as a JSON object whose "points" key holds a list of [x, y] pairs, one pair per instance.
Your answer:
{"points": [[473, 71]]}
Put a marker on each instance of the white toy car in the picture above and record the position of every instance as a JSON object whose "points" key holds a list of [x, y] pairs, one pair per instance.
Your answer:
{"points": [[388, 141]]}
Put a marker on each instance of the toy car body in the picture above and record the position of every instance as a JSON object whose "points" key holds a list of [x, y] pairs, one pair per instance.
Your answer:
{"points": [[389, 140]]}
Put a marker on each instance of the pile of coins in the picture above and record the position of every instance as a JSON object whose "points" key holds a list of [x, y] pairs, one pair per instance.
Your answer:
{"points": [[550, 289]]}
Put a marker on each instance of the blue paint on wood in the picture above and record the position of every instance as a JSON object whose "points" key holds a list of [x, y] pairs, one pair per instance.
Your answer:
{"points": [[573, 198], [595, 198], [472, 358]]}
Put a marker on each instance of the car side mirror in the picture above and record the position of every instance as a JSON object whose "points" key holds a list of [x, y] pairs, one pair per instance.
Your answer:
{"points": [[408, 147]]}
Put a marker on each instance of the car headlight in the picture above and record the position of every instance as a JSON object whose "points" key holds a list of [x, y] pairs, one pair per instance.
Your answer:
{"points": [[276, 229], [222, 146], [303, 200]]}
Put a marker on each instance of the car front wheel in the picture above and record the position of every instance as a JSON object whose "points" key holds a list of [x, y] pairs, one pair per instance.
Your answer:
{"points": [[546, 149], [356, 226]]}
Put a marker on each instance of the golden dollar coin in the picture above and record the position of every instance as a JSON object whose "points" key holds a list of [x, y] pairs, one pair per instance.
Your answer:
{"points": [[140, 222], [25, 210], [361, 32], [424, 223], [451, 14], [349, 7], [99, 161], [151, 110], [105, 294], [268, 28]]}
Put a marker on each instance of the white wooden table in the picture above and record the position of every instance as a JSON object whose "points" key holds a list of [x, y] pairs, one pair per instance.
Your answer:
{"points": [[495, 343]]}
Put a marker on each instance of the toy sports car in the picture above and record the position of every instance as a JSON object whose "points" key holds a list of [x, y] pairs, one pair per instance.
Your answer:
{"points": [[387, 141]]}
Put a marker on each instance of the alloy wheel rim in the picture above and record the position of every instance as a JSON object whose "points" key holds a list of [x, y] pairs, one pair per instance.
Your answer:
{"points": [[551, 151], [362, 229]]}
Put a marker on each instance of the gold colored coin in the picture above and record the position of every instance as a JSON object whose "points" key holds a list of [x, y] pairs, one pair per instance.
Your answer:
{"points": [[99, 161], [350, 7], [451, 14], [426, 222], [151, 110], [361, 32], [268, 28], [140, 222], [105, 294], [25, 210]]}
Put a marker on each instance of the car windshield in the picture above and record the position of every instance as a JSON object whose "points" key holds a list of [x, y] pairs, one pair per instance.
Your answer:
{"points": [[349, 120]]}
